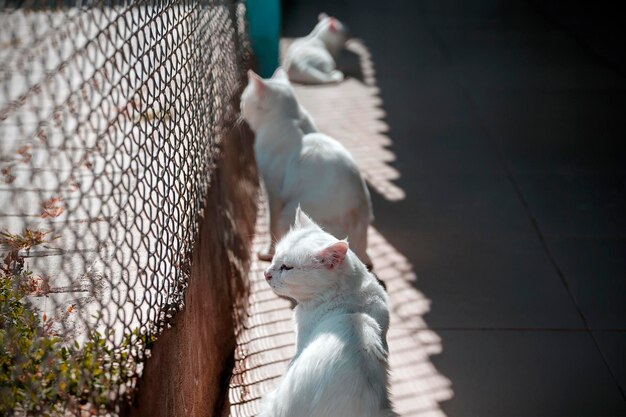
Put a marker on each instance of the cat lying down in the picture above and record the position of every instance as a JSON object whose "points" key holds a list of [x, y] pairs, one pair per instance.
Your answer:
{"points": [[312, 59], [301, 166], [340, 368]]}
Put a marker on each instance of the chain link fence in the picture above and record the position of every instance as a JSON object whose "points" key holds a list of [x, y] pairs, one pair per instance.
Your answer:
{"points": [[111, 117]]}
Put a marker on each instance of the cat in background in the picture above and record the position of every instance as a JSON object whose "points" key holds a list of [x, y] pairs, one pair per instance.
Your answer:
{"points": [[301, 166], [312, 59], [340, 368]]}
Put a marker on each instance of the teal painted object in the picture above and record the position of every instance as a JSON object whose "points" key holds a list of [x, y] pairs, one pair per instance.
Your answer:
{"points": [[264, 29]]}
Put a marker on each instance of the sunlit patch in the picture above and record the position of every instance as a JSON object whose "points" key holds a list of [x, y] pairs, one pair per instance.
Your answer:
{"points": [[265, 337], [417, 387]]}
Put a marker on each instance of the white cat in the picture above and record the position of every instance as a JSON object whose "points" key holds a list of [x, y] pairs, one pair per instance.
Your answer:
{"points": [[312, 59], [340, 366], [306, 122], [308, 169]]}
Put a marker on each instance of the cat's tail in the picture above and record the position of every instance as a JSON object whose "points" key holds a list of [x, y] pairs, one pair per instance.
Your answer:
{"points": [[368, 197], [312, 75]]}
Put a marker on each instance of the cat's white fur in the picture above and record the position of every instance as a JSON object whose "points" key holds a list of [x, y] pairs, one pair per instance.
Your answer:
{"points": [[312, 59], [340, 368], [306, 122], [299, 168]]}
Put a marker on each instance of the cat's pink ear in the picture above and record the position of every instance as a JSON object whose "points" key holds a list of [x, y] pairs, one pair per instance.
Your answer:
{"points": [[321, 17], [332, 256], [332, 25], [280, 74], [302, 220], [256, 81]]}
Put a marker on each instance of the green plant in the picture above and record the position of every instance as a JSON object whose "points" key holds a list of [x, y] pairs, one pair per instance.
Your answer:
{"points": [[14, 243], [28, 239], [40, 374]]}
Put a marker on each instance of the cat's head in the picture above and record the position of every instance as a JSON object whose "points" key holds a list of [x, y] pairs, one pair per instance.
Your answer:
{"points": [[331, 31], [308, 261], [265, 100]]}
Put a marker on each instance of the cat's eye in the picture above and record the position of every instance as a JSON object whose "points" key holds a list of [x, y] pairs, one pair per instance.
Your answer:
{"points": [[284, 267]]}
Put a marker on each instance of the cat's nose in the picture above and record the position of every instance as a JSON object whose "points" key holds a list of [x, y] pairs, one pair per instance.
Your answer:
{"points": [[268, 276]]}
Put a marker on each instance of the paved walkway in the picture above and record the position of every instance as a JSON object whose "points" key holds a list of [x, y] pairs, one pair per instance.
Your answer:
{"points": [[507, 140]]}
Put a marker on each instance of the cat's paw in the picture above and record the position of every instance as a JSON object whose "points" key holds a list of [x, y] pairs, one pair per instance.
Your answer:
{"points": [[337, 76]]}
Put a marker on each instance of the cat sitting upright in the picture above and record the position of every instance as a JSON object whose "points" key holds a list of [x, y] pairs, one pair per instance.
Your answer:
{"points": [[312, 59], [340, 368], [299, 168]]}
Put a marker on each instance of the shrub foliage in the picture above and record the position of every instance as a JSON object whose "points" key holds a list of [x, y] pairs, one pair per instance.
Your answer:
{"points": [[42, 373]]}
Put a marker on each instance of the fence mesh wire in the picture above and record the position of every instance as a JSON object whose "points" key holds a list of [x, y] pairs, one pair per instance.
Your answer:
{"points": [[111, 115]]}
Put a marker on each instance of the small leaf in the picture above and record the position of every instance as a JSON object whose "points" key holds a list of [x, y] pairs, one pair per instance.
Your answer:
{"points": [[52, 207]]}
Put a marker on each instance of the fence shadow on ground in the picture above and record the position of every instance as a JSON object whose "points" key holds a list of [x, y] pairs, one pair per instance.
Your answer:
{"points": [[351, 113]]}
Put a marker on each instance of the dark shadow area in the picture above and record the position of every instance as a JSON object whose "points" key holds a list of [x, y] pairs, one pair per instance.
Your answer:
{"points": [[350, 64], [597, 25], [508, 129]]}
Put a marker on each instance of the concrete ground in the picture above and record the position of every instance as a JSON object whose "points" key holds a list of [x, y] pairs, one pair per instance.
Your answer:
{"points": [[508, 136]]}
